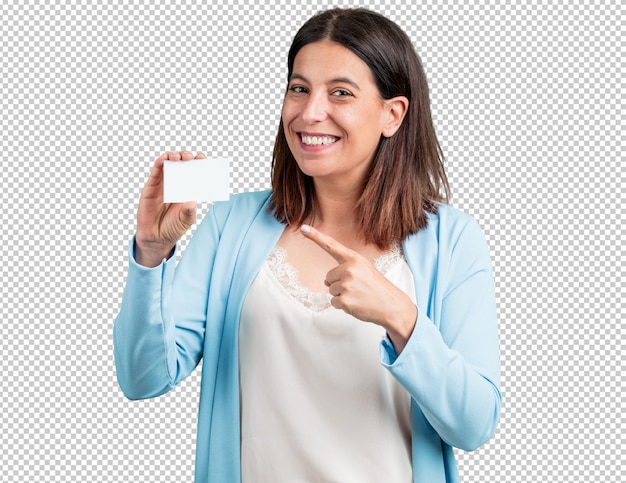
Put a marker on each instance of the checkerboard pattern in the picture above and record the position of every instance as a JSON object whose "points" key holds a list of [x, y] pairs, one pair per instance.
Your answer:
{"points": [[528, 103]]}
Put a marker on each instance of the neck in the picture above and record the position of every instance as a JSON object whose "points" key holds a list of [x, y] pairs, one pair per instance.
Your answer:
{"points": [[335, 209]]}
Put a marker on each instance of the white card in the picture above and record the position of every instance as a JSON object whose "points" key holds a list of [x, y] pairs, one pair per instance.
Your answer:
{"points": [[196, 180]]}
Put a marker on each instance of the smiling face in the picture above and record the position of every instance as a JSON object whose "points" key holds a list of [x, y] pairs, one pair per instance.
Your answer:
{"points": [[333, 113]]}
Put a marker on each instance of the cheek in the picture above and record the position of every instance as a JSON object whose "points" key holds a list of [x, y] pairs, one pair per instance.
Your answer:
{"points": [[287, 118], [289, 112]]}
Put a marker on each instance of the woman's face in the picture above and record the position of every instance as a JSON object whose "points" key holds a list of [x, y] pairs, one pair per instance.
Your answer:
{"points": [[333, 113]]}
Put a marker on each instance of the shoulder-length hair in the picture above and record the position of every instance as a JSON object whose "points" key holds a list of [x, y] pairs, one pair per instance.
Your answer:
{"points": [[407, 177]]}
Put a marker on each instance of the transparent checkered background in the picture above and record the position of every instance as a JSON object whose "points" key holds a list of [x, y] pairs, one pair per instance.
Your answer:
{"points": [[528, 103]]}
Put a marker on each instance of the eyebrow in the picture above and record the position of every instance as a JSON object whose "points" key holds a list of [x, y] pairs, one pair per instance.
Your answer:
{"points": [[336, 80]]}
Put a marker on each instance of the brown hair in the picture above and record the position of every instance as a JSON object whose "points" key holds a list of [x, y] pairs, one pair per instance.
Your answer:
{"points": [[407, 177]]}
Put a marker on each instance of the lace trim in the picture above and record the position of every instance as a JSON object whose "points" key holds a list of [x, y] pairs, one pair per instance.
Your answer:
{"points": [[387, 260], [287, 276]]}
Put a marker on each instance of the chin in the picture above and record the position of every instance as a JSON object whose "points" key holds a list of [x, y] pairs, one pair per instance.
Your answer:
{"points": [[312, 173], [313, 169]]}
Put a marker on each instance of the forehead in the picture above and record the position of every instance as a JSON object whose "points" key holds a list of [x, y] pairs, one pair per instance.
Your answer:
{"points": [[324, 60]]}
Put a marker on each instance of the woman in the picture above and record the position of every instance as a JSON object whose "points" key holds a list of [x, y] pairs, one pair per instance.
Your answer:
{"points": [[346, 318]]}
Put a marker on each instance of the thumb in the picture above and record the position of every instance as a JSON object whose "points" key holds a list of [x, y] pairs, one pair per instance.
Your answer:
{"points": [[188, 213]]}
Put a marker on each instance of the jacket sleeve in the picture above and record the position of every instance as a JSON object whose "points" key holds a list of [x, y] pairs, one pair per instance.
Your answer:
{"points": [[158, 335], [450, 365]]}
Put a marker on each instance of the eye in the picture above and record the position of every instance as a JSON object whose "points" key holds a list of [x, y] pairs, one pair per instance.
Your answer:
{"points": [[341, 93], [297, 89]]}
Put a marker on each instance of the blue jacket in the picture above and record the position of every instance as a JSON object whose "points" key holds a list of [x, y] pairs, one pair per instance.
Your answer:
{"points": [[173, 315]]}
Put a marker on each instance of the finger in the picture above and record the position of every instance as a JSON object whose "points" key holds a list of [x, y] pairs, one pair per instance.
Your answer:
{"points": [[186, 155], [338, 302], [327, 243], [158, 163], [200, 156], [335, 289], [189, 206], [335, 275], [188, 212], [156, 173], [161, 158]]}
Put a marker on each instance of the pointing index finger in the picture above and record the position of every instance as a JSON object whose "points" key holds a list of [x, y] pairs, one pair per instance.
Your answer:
{"points": [[327, 243]]}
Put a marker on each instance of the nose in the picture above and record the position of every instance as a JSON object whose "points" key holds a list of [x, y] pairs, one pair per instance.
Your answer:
{"points": [[315, 109]]}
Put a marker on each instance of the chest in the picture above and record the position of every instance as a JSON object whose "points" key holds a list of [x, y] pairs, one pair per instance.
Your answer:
{"points": [[312, 263]]}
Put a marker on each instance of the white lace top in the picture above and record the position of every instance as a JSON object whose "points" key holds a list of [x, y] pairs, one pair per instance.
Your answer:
{"points": [[316, 404], [287, 275]]}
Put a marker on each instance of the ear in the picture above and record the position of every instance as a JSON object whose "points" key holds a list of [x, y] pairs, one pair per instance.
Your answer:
{"points": [[397, 108]]}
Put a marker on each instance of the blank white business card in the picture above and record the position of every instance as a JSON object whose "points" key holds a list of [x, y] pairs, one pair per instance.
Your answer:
{"points": [[196, 180]]}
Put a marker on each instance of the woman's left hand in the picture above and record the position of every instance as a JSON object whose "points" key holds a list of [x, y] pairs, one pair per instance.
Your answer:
{"points": [[360, 290]]}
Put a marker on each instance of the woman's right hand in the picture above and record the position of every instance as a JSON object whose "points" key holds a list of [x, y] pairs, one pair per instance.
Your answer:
{"points": [[160, 225]]}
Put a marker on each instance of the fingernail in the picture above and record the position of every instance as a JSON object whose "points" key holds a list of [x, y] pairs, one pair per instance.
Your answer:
{"points": [[305, 229]]}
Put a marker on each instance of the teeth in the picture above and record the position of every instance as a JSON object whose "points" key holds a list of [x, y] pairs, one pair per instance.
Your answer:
{"points": [[318, 140]]}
